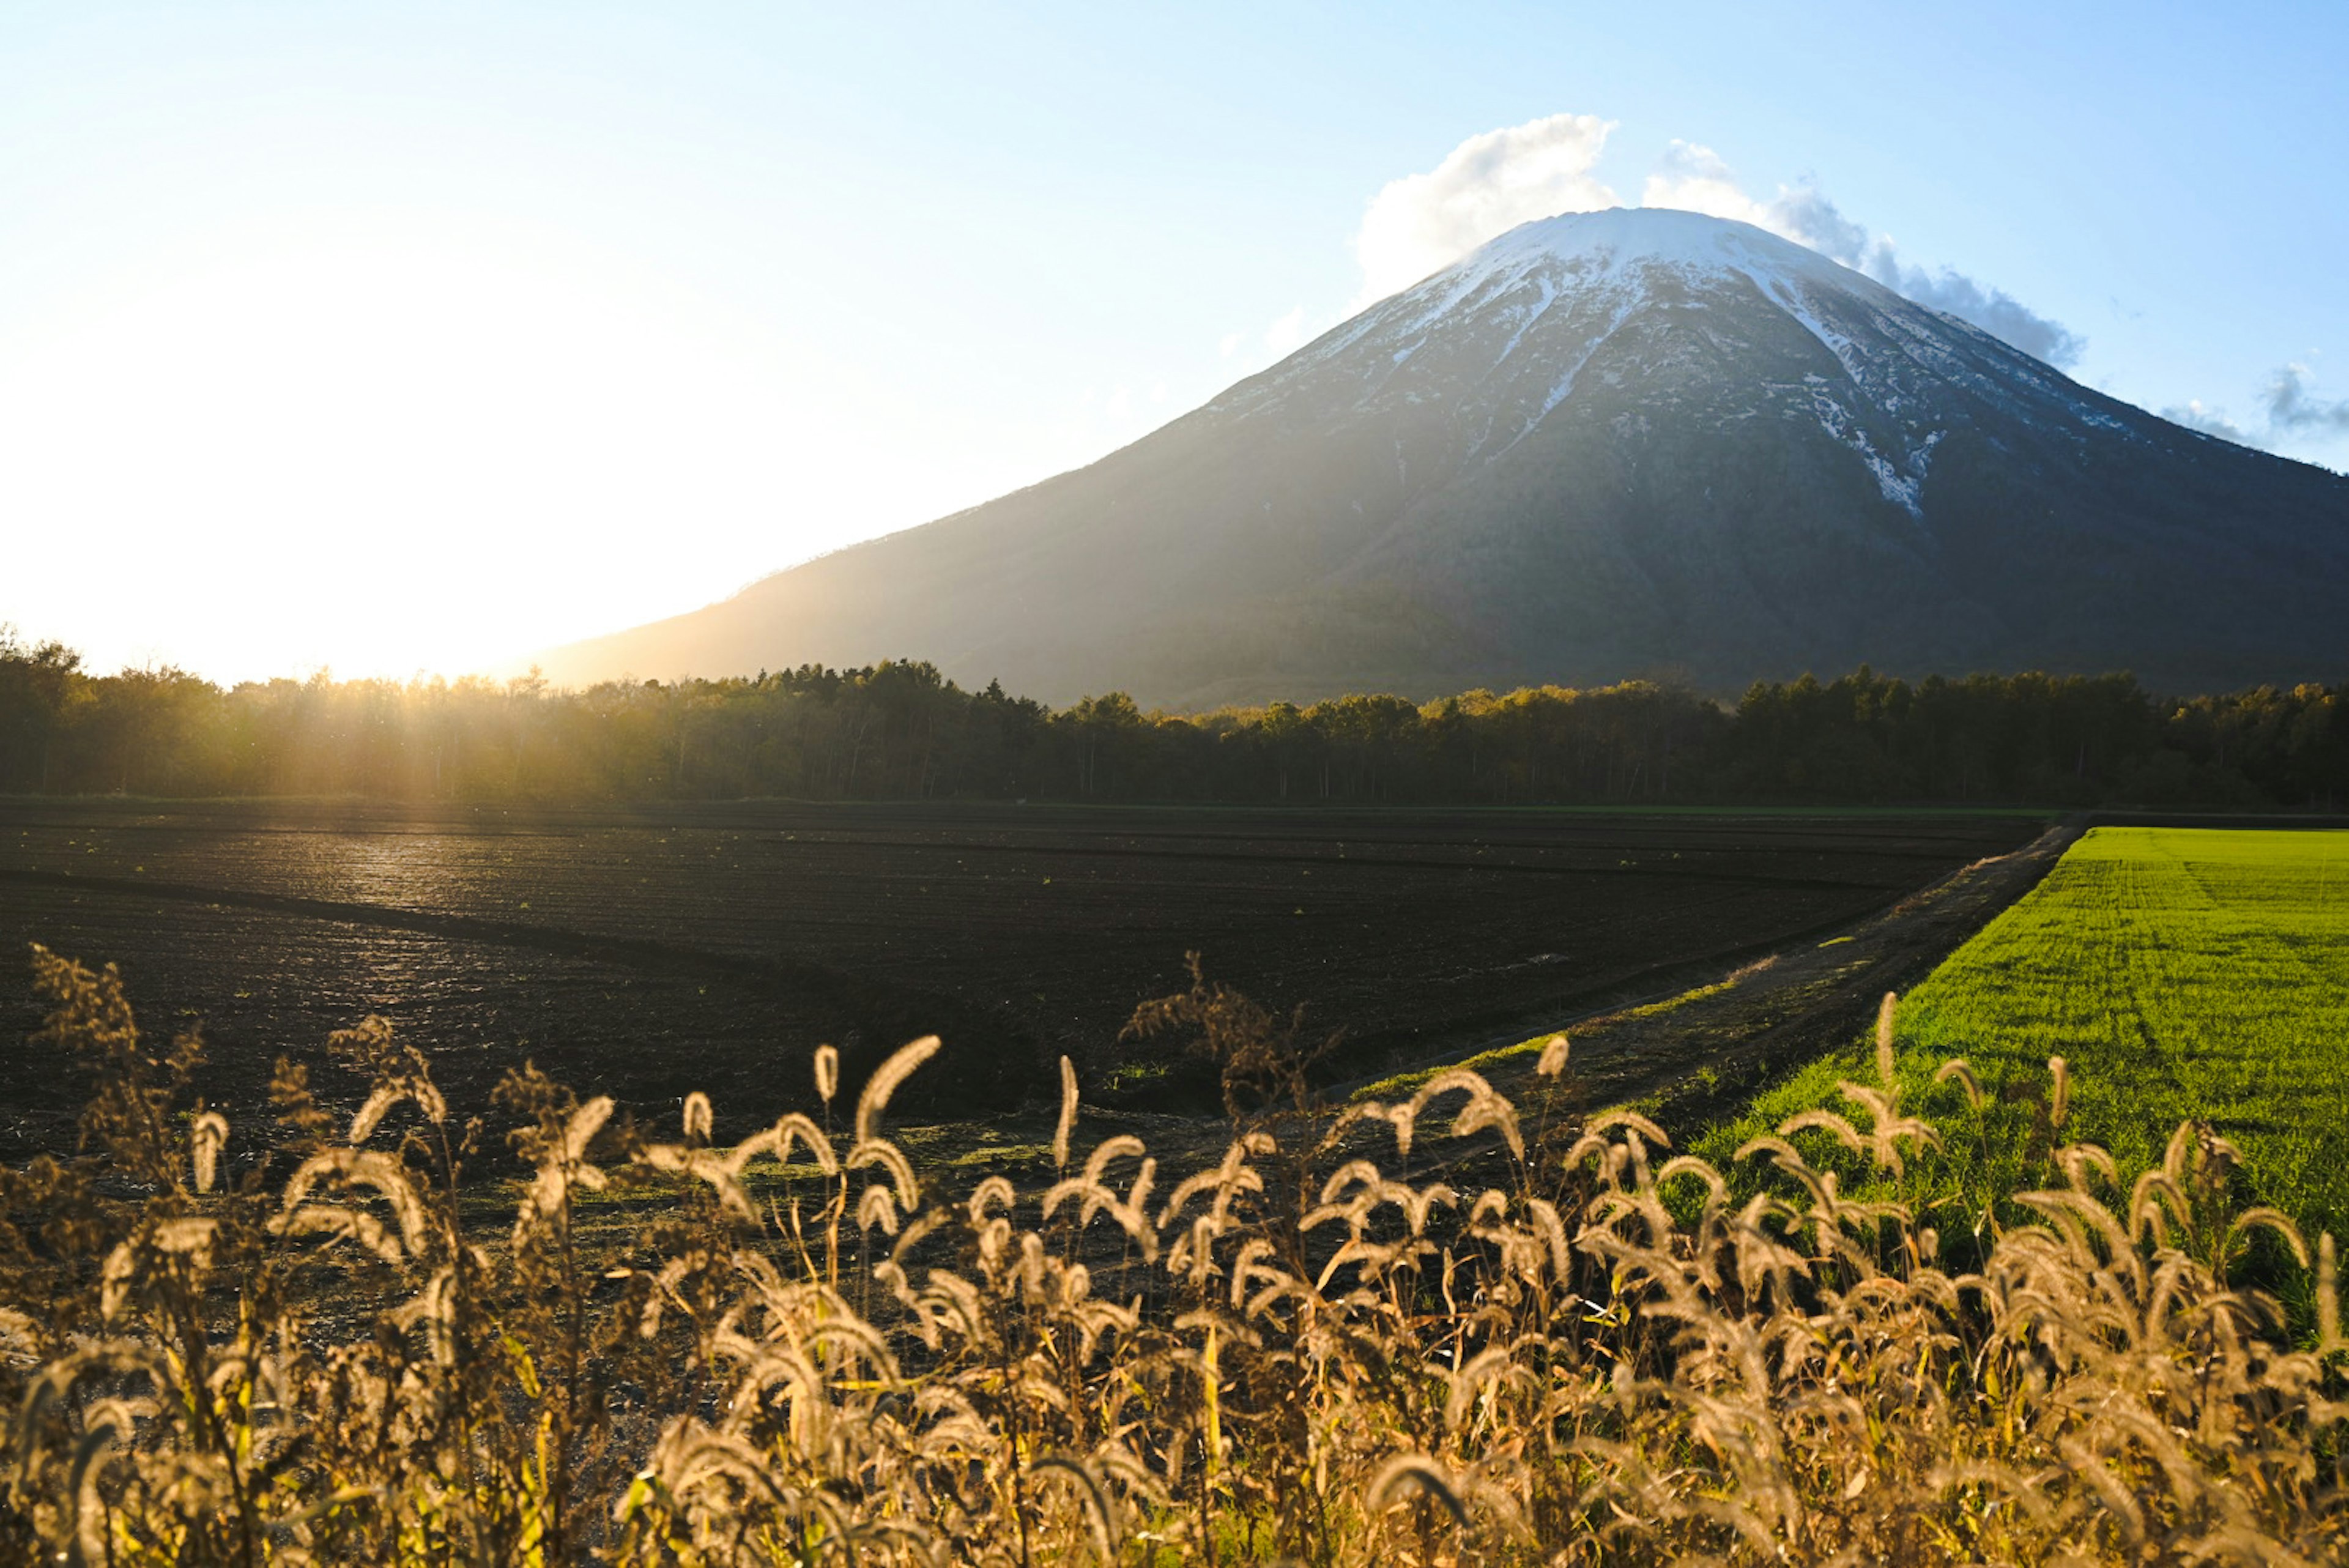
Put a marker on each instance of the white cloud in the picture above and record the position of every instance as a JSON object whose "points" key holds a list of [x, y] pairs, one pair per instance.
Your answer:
{"points": [[2197, 415], [1287, 332], [1803, 214], [1492, 182], [1281, 337], [1695, 177], [2290, 409], [1993, 310], [2291, 414], [1485, 186]]}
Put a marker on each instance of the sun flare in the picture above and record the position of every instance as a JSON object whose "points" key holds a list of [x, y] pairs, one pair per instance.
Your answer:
{"points": [[425, 450]]}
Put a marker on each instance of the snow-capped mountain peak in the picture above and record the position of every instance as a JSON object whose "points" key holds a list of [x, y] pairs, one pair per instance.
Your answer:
{"points": [[1601, 245], [1548, 325], [1599, 443]]}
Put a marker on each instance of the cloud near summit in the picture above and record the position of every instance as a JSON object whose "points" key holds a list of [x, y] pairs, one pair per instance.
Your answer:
{"points": [[1485, 186], [1492, 182], [2291, 414], [1695, 177]]}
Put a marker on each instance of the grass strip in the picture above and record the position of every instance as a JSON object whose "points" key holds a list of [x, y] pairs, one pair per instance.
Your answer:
{"points": [[2181, 973]]}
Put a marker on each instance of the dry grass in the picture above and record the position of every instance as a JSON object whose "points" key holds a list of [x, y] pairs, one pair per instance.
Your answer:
{"points": [[228, 1348]]}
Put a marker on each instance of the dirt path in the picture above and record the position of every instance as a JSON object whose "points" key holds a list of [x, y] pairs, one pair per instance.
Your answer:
{"points": [[1805, 1002]]}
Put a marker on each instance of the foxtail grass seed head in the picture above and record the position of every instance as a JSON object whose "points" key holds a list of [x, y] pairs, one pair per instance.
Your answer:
{"points": [[1957, 1070], [1068, 1123], [1406, 1475], [1553, 1057], [2328, 1296], [885, 1080], [1887, 1070], [1314, 1348], [207, 1136]]}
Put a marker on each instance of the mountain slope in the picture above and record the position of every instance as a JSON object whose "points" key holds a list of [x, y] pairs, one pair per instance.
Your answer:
{"points": [[1602, 444]]}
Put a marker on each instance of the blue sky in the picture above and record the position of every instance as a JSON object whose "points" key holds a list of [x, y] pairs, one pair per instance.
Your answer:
{"points": [[403, 338]]}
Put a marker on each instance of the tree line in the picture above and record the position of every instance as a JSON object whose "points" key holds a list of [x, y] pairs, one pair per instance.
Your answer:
{"points": [[901, 730]]}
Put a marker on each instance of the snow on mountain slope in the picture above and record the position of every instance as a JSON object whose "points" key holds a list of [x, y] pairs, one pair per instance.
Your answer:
{"points": [[1602, 443], [1570, 284]]}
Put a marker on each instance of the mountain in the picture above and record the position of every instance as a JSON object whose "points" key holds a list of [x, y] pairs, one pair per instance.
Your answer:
{"points": [[1603, 444]]}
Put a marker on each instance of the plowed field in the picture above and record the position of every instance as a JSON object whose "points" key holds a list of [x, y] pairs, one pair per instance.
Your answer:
{"points": [[648, 953]]}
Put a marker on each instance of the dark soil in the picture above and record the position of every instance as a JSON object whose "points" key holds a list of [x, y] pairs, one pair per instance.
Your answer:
{"points": [[646, 954]]}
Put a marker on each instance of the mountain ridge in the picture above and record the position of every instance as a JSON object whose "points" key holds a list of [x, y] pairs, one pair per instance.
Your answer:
{"points": [[1602, 444]]}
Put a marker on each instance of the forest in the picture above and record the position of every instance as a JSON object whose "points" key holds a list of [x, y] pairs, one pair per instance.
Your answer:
{"points": [[903, 730]]}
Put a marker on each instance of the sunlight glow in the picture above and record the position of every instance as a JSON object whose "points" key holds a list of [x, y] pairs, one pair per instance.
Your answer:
{"points": [[387, 449]]}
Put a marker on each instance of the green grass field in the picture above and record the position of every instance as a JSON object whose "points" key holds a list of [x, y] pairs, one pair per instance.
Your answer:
{"points": [[2183, 973]]}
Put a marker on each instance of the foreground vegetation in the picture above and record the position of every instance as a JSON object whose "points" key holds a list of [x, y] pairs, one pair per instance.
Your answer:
{"points": [[902, 731], [2178, 973], [1445, 1330]]}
